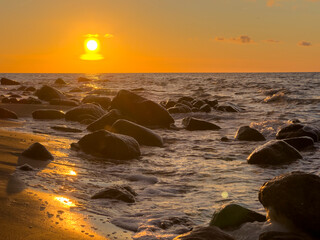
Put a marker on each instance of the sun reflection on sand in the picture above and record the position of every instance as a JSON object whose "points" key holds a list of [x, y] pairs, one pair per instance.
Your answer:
{"points": [[65, 201]]}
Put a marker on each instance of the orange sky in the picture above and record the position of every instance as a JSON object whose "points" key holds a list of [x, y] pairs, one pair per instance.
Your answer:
{"points": [[161, 35]]}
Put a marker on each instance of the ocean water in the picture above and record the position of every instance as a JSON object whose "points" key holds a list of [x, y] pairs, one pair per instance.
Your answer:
{"points": [[180, 185]]}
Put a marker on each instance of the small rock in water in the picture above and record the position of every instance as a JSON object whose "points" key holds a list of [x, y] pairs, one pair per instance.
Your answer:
{"points": [[299, 143], [60, 81], [106, 121], [299, 130], [246, 133], [5, 113], [85, 111], [48, 114], [204, 233], [83, 79], [48, 93], [125, 194], [37, 151], [193, 124], [6, 81]]}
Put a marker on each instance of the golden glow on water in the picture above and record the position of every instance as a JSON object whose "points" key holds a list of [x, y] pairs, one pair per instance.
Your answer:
{"points": [[72, 173], [225, 194], [65, 201]]}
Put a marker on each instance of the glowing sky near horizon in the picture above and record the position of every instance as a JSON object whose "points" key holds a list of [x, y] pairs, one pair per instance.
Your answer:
{"points": [[161, 35]]}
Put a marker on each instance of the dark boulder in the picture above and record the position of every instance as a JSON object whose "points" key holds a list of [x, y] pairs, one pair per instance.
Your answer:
{"points": [[48, 114], [246, 133], [102, 101], [37, 151], [64, 102], [274, 152], [282, 236], [293, 199], [299, 143], [30, 100], [299, 130], [83, 79], [85, 111], [9, 100], [60, 81], [212, 103], [143, 135], [120, 193], [193, 124], [106, 121], [5, 113], [168, 104], [30, 89], [48, 93], [22, 88], [204, 233], [142, 110], [6, 81], [198, 103], [233, 216], [181, 108], [185, 99], [66, 129], [110, 145]]}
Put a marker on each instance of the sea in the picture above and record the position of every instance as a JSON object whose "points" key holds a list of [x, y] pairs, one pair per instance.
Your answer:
{"points": [[180, 185]]}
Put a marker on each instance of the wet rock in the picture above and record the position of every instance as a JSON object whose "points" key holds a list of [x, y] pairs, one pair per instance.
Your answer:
{"points": [[110, 145], [106, 121], [30, 89], [124, 194], [66, 129], [48, 114], [85, 111], [233, 216], [179, 109], [48, 93], [183, 108], [246, 133], [168, 104], [15, 96], [22, 88], [37, 151], [9, 100], [83, 79], [205, 233], [186, 103], [30, 100], [26, 167], [299, 143], [104, 102], [224, 139], [299, 130], [198, 103], [6, 81], [212, 103], [282, 236], [274, 152], [185, 99], [228, 107], [193, 124], [205, 108], [60, 81], [143, 135], [293, 199], [63, 102], [76, 89], [5, 113], [142, 110]]}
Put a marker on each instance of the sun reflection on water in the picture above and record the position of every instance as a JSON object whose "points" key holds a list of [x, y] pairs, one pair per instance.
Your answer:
{"points": [[65, 201]]}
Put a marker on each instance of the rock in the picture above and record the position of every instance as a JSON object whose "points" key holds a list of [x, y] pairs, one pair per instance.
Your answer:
{"points": [[66, 129], [104, 102], [299, 143], [85, 111], [274, 152], [282, 236], [205, 108], [183, 108], [224, 139], [6, 81], [198, 103], [30, 100], [22, 88], [299, 130], [212, 103], [15, 96], [246, 133], [48, 114], [228, 107], [26, 167], [60, 81], [142, 110], [233, 216], [5, 113], [125, 194], [293, 199], [193, 124], [110, 145], [106, 121], [9, 100], [83, 79], [76, 89], [204, 233], [62, 102], [30, 89], [143, 135], [48, 93], [185, 99], [186, 103], [168, 104], [37, 151]]}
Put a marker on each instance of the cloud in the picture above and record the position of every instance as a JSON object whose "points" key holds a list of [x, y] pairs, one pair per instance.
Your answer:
{"points": [[304, 44], [108, 35], [91, 35], [243, 39]]}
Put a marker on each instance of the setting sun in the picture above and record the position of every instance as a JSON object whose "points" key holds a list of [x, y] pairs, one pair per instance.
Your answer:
{"points": [[92, 45]]}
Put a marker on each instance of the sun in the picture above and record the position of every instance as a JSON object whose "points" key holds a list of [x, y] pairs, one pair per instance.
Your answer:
{"points": [[92, 45]]}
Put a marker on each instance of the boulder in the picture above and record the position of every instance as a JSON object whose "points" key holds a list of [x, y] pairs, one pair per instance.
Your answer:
{"points": [[233, 216], [179, 108], [205, 108], [293, 199], [22, 88], [66, 129], [298, 130], [168, 104], [274, 152], [142, 110], [110, 145], [198, 103], [76, 89], [143, 135], [48, 93], [30, 100], [5, 113], [83, 79], [120, 193], [85, 111], [212, 103], [282, 236], [299, 143], [48, 114], [185, 99], [106, 121], [37, 151], [204, 233], [6, 81], [30, 89], [246, 133], [63, 102], [193, 124], [60, 81], [9, 100], [104, 102]]}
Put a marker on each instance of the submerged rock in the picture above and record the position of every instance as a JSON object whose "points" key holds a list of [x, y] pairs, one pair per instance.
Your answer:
{"points": [[48, 114], [142, 110], [48, 93], [193, 124], [102, 101], [121, 193], [204, 233], [6, 81], [60, 81], [5, 113], [83, 79], [299, 143], [293, 199], [63, 102], [205, 108], [299, 130], [85, 111], [143, 135], [233, 216], [110, 145], [30, 100], [246, 133], [37, 151], [228, 107], [274, 152]]}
